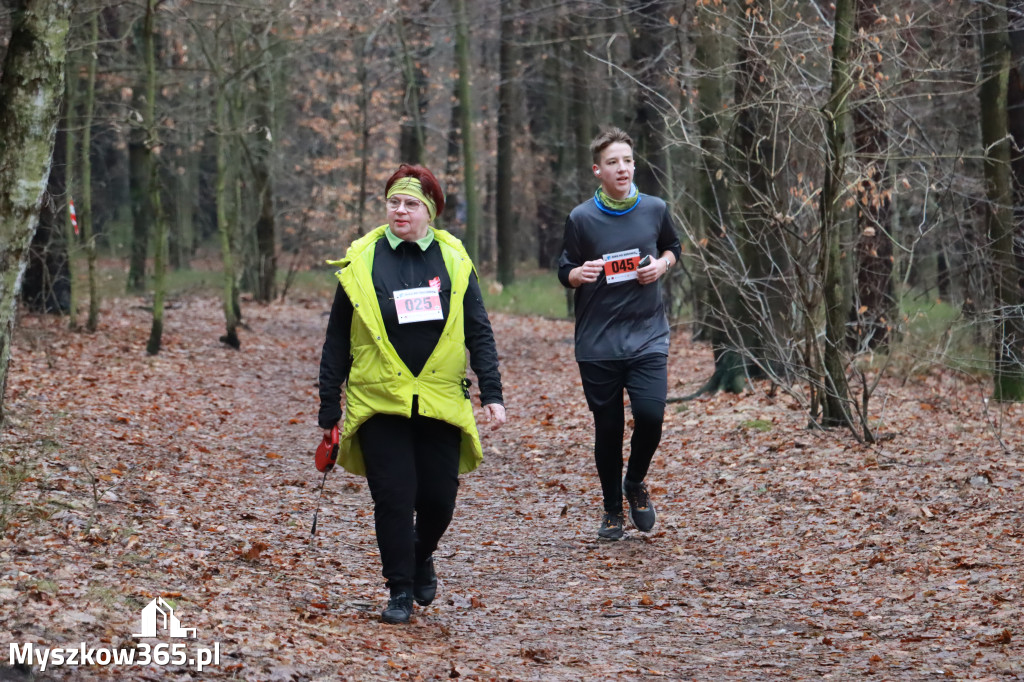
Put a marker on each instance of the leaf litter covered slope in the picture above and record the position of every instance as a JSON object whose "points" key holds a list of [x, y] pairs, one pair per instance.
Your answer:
{"points": [[779, 551]]}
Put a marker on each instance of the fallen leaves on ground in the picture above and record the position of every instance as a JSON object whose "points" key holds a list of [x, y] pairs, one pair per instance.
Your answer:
{"points": [[779, 551]]}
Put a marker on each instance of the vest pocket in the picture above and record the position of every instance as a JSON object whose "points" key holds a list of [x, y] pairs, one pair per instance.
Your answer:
{"points": [[368, 366]]}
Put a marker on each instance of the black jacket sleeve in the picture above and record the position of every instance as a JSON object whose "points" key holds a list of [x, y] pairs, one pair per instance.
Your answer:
{"points": [[335, 359], [483, 353]]}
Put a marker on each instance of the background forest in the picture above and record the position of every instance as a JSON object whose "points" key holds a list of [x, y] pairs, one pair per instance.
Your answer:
{"points": [[846, 175], [848, 183]]}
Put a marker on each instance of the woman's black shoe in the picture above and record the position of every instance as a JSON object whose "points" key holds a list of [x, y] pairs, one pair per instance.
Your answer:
{"points": [[424, 583], [399, 608]]}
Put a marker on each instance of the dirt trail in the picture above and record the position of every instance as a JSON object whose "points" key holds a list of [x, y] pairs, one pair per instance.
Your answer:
{"points": [[779, 552]]}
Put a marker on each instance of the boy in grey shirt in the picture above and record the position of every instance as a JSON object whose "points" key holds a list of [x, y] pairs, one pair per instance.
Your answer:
{"points": [[617, 246]]}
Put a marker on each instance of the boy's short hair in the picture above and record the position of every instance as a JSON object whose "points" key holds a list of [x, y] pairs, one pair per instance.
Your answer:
{"points": [[608, 136]]}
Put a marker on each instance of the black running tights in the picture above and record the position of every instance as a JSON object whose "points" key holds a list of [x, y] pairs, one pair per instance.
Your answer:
{"points": [[609, 428]]}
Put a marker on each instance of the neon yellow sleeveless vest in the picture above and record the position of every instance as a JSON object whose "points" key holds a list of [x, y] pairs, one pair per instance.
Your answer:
{"points": [[379, 382]]}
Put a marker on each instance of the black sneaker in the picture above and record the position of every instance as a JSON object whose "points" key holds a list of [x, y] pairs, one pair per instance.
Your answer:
{"points": [[611, 526], [399, 608], [424, 582], [641, 511]]}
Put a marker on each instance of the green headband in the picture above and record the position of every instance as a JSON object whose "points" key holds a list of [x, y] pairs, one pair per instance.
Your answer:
{"points": [[413, 188]]}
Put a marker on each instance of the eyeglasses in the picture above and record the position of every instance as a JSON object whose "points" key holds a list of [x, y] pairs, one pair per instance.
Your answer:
{"points": [[411, 205]]}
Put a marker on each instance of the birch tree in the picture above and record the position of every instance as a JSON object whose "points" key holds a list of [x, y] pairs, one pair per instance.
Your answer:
{"points": [[31, 89]]}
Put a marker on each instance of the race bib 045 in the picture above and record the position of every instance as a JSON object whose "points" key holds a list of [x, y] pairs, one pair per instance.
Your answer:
{"points": [[621, 266]]}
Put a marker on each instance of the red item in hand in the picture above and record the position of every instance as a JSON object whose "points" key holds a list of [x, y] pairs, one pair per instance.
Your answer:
{"points": [[327, 451]]}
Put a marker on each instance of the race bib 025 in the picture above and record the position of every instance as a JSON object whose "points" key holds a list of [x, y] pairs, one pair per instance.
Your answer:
{"points": [[418, 305]]}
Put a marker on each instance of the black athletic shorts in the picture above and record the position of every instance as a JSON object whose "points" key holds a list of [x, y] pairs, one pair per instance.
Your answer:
{"points": [[645, 378]]}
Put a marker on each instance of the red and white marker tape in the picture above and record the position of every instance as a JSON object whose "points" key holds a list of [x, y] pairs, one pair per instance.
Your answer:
{"points": [[73, 215]]}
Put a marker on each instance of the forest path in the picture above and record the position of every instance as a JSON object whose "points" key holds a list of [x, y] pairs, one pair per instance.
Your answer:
{"points": [[779, 552]]}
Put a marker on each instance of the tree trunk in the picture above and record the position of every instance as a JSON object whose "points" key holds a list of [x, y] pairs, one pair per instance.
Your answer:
{"points": [[732, 339], [140, 174], [581, 113], [31, 88], [470, 239], [223, 222], [46, 286], [451, 163], [159, 223], [875, 302], [554, 157], [1015, 118], [362, 76], [716, 291], [942, 275], [836, 281], [1009, 301], [412, 138], [713, 191], [765, 297], [85, 214], [749, 264], [263, 146], [70, 162], [266, 235], [647, 38], [507, 96], [575, 163], [363, 100], [180, 212]]}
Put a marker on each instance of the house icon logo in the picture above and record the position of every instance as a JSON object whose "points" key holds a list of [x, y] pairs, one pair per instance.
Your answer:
{"points": [[151, 619]]}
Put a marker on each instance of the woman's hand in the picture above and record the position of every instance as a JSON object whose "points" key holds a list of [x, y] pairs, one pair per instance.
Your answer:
{"points": [[495, 412], [328, 433]]}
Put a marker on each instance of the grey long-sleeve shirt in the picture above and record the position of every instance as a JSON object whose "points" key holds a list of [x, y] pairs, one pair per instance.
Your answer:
{"points": [[621, 320]]}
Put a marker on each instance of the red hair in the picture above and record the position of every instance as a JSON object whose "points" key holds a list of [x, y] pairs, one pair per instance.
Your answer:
{"points": [[431, 187]]}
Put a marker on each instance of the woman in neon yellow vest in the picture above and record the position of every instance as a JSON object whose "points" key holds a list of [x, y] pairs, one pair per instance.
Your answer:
{"points": [[407, 307]]}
